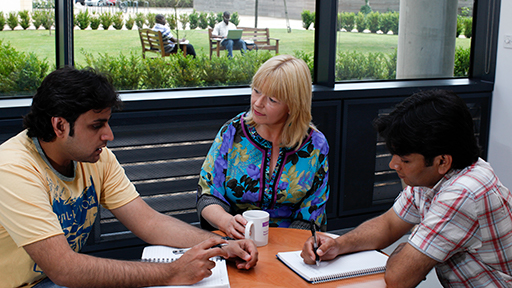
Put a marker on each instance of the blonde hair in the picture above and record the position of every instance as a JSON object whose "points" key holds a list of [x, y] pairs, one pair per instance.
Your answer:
{"points": [[288, 80]]}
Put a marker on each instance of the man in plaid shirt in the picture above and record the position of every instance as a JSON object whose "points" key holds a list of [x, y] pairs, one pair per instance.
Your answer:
{"points": [[462, 211]]}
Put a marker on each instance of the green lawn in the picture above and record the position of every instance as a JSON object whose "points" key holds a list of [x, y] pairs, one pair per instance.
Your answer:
{"points": [[113, 42]]}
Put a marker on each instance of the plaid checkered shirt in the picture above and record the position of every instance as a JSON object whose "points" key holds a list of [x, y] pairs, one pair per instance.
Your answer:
{"points": [[465, 223]]}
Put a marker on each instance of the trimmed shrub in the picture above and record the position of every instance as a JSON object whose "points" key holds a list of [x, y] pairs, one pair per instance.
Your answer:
{"points": [[357, 66], [468, 27], [373, 21], [386, 22], [24, 19], [95, 22], [348, 20], [244, 67], [193, 19], [130, 22], [2, 21], [460, 25], [171, 20], [48, 19], [215, 70], [140, 20], [394, 17], [118, 20], [106, 20], [220, 17], [183, 21], [150, 20], [185, 71], [203, 20], [461, 65], [235, 19], [134, 73], [156, 74], [211, 19], [20, 73], [126, 71], [83, 19], [37, 18], [307, 57], [360, 21], [12, 20], [366, 9], [307, 19]]}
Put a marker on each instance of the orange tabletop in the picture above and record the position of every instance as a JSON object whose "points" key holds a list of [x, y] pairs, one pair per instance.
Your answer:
{"points": [[270, 272]]}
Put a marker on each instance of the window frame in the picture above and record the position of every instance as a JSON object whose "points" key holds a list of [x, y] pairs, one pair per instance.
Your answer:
{"points": [[483, 46]]}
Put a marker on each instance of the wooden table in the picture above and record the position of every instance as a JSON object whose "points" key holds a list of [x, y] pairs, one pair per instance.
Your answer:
{"points": [[270, 272]]}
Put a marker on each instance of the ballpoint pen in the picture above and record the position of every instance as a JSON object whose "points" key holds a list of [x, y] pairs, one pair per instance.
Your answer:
{"points": [[315, 244], [219, 245]]}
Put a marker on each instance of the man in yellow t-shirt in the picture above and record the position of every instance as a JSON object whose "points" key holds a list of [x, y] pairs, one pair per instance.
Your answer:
{"points": [[53, 177]]}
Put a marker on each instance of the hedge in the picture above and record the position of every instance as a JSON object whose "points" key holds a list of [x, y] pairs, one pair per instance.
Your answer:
{"points": [[22, 73]]}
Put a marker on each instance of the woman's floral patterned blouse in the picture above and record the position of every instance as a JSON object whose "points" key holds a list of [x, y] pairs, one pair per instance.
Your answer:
{"points": [[235, 175]]}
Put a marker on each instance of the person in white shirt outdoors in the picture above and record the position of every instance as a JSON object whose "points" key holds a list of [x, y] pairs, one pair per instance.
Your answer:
{"points": [[221, 31], [53, 177], [460, 213], [170, 41]]}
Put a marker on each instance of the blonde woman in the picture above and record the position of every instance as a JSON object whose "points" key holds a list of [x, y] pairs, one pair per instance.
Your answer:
{"points": [[271, 158]]}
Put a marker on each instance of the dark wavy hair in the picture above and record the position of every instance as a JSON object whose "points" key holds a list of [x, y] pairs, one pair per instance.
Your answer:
{"points": [[431, 123], [68, 93]]}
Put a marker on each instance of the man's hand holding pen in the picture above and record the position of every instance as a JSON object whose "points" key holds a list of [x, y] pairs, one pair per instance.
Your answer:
{"points": [[315, 241], [326, 248]]}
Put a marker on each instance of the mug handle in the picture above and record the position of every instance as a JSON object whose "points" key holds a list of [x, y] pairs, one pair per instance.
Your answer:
{"points": [[248, 229]]}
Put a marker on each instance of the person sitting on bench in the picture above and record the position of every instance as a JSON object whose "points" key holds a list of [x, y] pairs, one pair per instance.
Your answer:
{"points": [[221, 31]]}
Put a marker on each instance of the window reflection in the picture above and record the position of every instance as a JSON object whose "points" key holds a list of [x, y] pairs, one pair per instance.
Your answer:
{"points": [[106, 37], [387, 40], [120, 52], [23, 64]]}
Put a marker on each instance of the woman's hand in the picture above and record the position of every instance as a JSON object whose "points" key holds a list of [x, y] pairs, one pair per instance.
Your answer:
{"points": [[234, 227]]}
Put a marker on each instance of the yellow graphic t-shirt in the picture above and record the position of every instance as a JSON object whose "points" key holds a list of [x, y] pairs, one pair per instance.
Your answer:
{"points": [[37, 202]]}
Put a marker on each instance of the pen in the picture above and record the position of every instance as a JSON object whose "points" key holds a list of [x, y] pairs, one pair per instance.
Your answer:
{"points": [[219, 245], [315, 245]]}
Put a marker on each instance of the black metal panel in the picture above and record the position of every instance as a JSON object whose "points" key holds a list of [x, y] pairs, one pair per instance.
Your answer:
{"points": [[154, 152], [9, 128], [359, 150], [327, 118], [165, 186]]}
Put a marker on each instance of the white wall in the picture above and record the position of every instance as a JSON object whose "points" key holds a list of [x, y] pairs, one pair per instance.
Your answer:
{"points": [[500, 142], [7, 6]]}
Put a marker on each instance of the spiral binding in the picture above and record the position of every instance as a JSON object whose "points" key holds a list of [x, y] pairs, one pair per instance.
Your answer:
{"points": [[340, 276]]}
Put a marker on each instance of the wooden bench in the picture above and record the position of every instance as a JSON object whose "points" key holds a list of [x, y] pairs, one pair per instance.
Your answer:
{"points": [[255, 38], [152, 41]]}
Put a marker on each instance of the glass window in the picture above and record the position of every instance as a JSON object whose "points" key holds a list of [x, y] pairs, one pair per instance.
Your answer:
{"points": [[403, 39], [27, 45], [109, 35]]}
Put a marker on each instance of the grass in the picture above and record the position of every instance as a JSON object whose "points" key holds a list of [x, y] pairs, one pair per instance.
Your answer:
{"points": [[113, 42]]}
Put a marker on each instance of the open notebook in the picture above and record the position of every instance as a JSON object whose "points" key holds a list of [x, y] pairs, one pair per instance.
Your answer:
{"points": [[218, 279], [345, 266]]}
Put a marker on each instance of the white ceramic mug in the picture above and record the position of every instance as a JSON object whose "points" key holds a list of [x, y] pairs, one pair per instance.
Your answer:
{"points": [[257, 226]]}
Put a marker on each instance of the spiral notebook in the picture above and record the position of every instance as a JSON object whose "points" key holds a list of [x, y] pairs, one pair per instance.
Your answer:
{"points": [[218, 279], [345, 266]]}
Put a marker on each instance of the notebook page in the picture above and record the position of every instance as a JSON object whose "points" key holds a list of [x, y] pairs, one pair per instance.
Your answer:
{"points": [[218, 279], [344, 266]]}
